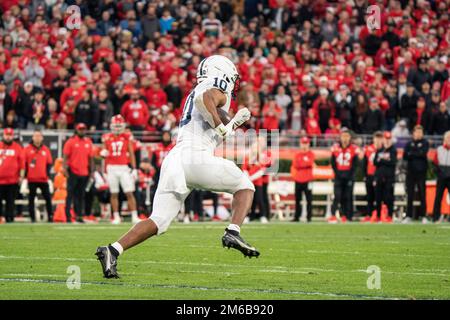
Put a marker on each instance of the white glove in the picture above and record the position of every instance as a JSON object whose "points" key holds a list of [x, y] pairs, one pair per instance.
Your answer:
{"points": [[50, 186], [134, 174], [104, 153], [24, 187], [241, 116], [224, 131]]}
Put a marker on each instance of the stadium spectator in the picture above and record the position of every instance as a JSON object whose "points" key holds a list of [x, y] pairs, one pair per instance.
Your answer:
{"points": [[135, 111], [421, 116], [441, 163], [369, 169], [344, 160], [373, 119], [302, 174], [11, 173], [38, 162], [6, 103], [385, 162], [78, 166], [415, 153], [36, 111], [86, 111], [34, 72], [440, 122]]}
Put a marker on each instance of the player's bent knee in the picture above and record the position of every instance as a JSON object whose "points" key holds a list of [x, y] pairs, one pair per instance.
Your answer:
{"points": [[162, 225], [245, 184]]}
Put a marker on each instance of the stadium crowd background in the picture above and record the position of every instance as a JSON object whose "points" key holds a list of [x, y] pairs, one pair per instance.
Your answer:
{"points": [[307, 67], [301, 62]]}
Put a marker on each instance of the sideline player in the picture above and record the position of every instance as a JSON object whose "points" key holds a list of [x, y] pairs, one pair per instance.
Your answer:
{"points": [[344, 157], [118, 152], [184, 168]]}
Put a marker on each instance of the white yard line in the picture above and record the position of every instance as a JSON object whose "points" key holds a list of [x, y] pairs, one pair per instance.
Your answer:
{"points": [[177, 287], [268, 269]]}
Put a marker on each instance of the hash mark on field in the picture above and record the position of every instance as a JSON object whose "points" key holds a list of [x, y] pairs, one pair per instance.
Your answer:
{"points": [[172, 286]]}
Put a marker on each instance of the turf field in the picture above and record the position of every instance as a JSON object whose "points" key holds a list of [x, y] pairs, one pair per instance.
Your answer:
{"points": [[314, 261]]}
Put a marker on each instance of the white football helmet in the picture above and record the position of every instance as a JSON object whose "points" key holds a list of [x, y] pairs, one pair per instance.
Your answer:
{"points": [[223, 69]]}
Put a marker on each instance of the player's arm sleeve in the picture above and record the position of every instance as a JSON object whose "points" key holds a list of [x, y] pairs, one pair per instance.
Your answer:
{"points": [[132, 155], [207, 102]]}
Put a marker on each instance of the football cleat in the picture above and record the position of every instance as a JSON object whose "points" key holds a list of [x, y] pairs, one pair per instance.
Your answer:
{"points": [[232, 239], [108, 262]]}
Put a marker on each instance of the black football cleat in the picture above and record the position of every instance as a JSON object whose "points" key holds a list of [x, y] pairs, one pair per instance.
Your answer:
{"points": [[108, 262], [232, 239]]}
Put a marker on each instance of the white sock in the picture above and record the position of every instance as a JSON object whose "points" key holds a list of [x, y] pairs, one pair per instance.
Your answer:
{"points": [[118, 247], [116, 216], [234, 227], [134, 214]]}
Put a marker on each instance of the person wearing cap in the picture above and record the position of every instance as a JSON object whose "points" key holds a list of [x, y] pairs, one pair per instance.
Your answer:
{"points": [[36, 111], [417, 76], [385, 162], [421, 116], [415, 153], [344, 160], [135, 111], [302, 173], [408, 101], [11, 173], [373, 119], [441, 163], [78, 166], [369, 172], [38, 161]]}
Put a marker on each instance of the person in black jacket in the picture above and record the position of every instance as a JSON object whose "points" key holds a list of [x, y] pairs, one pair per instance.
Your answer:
{"points": [[87, 111], [408, 101], [441, 164], [385, 162], [373, 119], [420, 74], [415, 154], [421, 116], [440, 122]]}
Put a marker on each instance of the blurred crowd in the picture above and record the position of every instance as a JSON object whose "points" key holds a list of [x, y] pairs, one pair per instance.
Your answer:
{"points": [[306, 66]]}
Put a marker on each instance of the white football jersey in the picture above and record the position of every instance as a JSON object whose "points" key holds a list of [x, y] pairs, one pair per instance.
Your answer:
{"points": [[194, 129]]}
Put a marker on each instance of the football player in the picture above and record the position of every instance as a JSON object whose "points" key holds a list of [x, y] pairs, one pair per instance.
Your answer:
{"points": [[118, 152], [344, 159], [192, 164]]}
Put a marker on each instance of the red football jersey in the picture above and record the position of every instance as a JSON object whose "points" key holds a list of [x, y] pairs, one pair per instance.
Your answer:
{"points": [[11, 161], [369, 153], [160, 152], [344, 156], [117, 147], [252, 169], [302, 166], [36, 162]]}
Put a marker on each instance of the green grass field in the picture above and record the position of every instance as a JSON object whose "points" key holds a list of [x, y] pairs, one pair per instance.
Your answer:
{"points": [[314, 261]]}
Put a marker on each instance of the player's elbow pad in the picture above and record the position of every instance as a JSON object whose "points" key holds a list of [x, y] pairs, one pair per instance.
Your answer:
{"points": [[201, 107]]}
